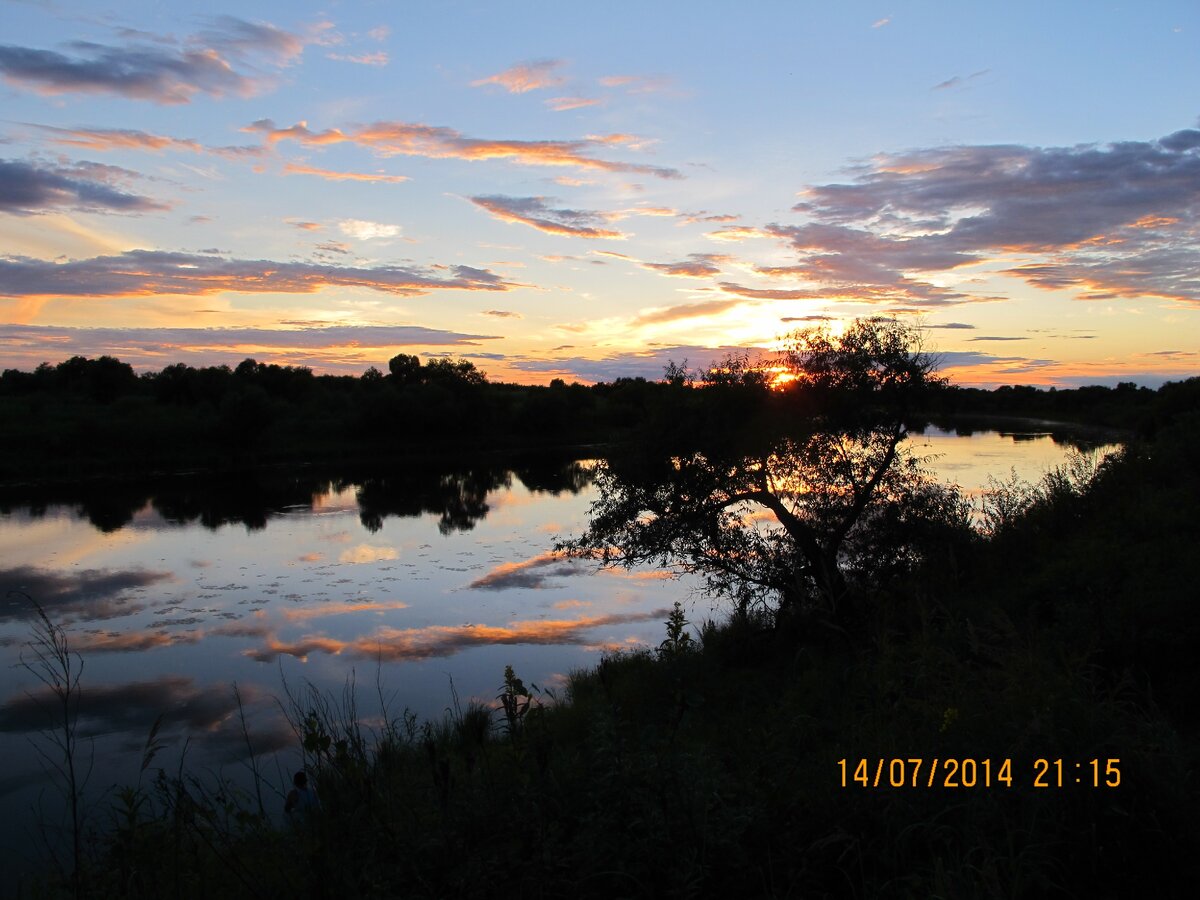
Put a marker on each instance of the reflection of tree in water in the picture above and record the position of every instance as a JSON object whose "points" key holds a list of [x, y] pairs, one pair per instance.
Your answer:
{"points": [[460, 498], [108, 506], [789, 524], [553, 476], [252, 499], [1083, 438], [248, 500]]}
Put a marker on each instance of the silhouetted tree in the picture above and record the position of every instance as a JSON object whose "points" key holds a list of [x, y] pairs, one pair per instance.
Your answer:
{"points": [[405, 368], [785, 525], [452, 371]]}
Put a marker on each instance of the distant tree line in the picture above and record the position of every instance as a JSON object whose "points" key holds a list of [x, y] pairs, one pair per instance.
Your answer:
{"points": [[85, 415]]}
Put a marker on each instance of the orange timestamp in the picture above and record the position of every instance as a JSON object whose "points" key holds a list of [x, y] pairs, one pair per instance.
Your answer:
{"points": [[919, 772]]}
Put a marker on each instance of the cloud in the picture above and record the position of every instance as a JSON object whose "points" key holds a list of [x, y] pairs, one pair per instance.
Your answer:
{"points": [[502, 313], [859, 264], [697, 265], [997, 338], [706, 216], [378, 58], [210, 711], [1167, 271], [958, 80], [365, 553], [1109, 221], [563, 104], [952, 326], [143, 273], [662, 212], [162, 71], [686, 311], [28, 188], [879, 23], [395, 645], [736, 233], [132, 641], [339, 347], [328, 175], [750, 293], [325, 610], [327, 247], [241, 40], [436, 142], [531, 573], [85, 596], [366, 231], [527, 76], [534, 212], [106, 139], [636, 84], [126, 706]]}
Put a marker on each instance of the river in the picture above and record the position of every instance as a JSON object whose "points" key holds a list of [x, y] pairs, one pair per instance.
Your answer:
{"points": [[420, 584]]}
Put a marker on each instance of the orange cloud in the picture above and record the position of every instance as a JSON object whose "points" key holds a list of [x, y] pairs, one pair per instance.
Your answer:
{"points": [[297, 169], [736, 233], [534, 212], [571, 604], [686, 311], [105, 139], [436, 142], [300, 649], [528, 76], [562, 104], [394, 645], [636, 84], [307, 613], [131, 642], [698, 265]]}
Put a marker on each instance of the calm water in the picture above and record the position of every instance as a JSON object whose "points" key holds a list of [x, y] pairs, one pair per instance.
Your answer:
{"points": [[174, 591]]}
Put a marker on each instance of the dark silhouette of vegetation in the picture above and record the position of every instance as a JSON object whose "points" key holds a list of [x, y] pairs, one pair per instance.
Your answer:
{"points": [[82, 417], [48, 657], [840, 496], [1061, 629], [454, 489]]}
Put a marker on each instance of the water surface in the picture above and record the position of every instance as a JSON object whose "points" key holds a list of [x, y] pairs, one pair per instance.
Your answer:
{"points": [[416, 583]]}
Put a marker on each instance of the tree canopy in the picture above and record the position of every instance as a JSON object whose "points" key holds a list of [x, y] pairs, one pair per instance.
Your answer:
{"points": [[834, 494]]}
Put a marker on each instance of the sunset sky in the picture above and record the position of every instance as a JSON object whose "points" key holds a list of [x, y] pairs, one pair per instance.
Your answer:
{"points": [[584, 191]]}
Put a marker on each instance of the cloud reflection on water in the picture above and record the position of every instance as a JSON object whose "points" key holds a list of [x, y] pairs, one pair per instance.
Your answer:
{"points": [[87, 595], [396, 645]]}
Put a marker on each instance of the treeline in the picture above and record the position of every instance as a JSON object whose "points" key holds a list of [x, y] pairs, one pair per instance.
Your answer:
{"points": [[1126, 406], [85, 416]]}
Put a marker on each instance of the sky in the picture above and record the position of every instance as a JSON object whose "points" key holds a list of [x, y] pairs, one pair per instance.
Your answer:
{"points": [[561, 190]]}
